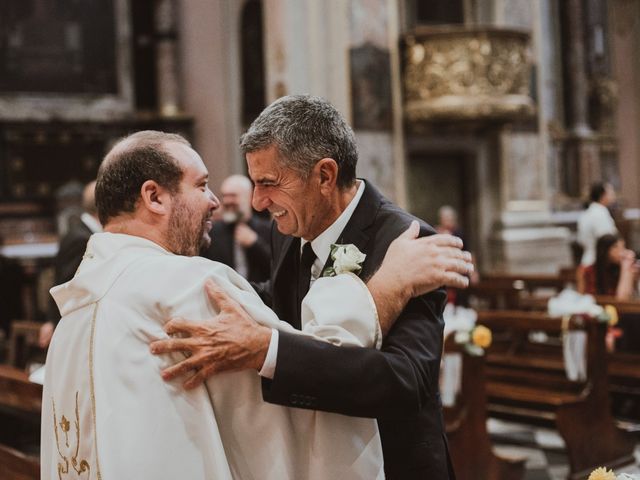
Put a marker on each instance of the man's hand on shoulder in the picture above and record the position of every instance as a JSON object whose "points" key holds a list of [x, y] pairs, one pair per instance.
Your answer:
{"points": [[424, 264], [414, 266], [230, 341]]}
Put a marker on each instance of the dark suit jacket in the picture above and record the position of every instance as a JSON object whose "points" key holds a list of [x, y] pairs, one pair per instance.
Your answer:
{"points": [[70, 253], [11, 286], [258, 255], [398, 385]]}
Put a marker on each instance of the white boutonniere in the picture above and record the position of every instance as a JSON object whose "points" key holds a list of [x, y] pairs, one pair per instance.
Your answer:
{"points": [[346, 258]]}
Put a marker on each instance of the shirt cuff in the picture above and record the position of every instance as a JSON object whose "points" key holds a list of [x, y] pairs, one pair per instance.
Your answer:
{"points": [[268, 369]]}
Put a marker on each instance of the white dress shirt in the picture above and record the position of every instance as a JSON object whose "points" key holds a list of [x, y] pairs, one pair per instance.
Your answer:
{"points": [[321, 246], [595, 222]]}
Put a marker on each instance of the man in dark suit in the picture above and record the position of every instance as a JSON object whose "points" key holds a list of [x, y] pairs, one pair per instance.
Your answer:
{"points": [[70, 253], [241, 239], [302, 159], [11, 285]]}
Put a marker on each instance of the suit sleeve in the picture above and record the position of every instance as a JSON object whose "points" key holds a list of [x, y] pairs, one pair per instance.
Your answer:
{"points": [[400, 378], [69, 258]]}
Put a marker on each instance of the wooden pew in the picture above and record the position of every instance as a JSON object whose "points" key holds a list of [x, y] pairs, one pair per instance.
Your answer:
{"points": [[20, 407], [15, 465], [498, 291], [495, 296], [527, 382], [623, 366], [529, 282], [466, 425]]}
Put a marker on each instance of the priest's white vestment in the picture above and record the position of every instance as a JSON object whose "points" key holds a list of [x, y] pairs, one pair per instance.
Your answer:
{"points": [[107, 414]]}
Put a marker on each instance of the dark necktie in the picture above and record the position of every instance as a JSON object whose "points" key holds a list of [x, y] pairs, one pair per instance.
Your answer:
{"points": [[304, 275]]}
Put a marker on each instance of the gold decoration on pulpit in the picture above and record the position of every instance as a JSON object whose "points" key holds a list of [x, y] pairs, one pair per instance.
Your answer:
{"points": [[467, 73], [71, 459]]}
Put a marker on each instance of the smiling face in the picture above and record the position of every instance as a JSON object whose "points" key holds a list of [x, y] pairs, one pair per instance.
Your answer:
{"points": [[296, 203], [192, 207]]}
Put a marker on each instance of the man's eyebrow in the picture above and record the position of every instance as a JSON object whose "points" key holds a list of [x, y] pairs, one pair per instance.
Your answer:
{"points": [[263, 180], [202, 178]]}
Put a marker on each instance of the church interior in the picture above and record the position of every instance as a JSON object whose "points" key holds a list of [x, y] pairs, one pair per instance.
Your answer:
{"points": [[499, 121]]}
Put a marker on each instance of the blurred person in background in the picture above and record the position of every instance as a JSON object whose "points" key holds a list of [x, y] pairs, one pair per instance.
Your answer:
{"points": [[241, 239], [596, 220], [614, 272], [70, 253], [448, 223], [11, 281]]}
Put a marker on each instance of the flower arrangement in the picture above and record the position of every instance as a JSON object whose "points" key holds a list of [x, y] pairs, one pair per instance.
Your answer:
{"points": [[602, 473], [475, 340], [346, 258]]}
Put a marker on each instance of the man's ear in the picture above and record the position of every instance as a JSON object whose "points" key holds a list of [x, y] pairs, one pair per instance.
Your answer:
{"points": [[327, 169], [155, 198]]}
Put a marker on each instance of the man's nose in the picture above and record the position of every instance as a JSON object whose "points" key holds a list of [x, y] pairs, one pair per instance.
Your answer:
{"points": [[214, 200], [259, 201]]}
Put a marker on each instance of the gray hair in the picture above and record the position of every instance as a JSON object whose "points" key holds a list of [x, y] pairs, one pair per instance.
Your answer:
{"points": [[305, 129]]}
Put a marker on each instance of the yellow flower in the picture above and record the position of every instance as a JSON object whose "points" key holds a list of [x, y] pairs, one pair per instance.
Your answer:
{"points": [[613, 314], [481, 336], [602, 474]]}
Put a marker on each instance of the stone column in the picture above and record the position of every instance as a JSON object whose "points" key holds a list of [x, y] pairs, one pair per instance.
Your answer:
{"points": [[576, 59], [166, 58], [580, 149]]}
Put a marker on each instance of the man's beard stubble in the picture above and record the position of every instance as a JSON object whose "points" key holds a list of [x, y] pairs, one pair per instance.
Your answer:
{"points": [[187, 233]]}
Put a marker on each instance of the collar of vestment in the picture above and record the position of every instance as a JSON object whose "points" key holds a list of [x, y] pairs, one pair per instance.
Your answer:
{"points": [[321, 245], [106, 257]]}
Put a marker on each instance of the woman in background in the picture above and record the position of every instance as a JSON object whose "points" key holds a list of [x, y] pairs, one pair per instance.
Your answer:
{"points": [[615, 271]]}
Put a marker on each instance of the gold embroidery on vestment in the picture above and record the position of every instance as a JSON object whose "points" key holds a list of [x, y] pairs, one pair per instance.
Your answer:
{"points": [[92, 389], [81, 466]]}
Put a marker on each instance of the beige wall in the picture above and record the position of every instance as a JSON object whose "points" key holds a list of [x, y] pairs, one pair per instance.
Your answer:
{"points": [[625, 36], [210, 67]]}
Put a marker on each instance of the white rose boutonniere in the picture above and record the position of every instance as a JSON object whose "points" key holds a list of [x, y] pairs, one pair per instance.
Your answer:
{"points": [[346, 258]]}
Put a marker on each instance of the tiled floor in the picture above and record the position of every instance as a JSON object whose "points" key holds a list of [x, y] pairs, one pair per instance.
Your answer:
{"points": [[543, 449]]}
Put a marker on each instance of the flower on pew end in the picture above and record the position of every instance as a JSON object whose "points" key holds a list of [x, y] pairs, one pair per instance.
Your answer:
{"points": [[608, 315], [481, 336], [613, 314], [602, 473], [474, 340]]}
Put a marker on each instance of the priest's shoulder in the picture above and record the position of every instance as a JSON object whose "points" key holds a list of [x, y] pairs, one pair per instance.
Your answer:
{"points": [[182, 269]]}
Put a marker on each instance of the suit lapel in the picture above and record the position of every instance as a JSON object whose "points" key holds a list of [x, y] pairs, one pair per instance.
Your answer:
{"points": [[357, 231]]}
